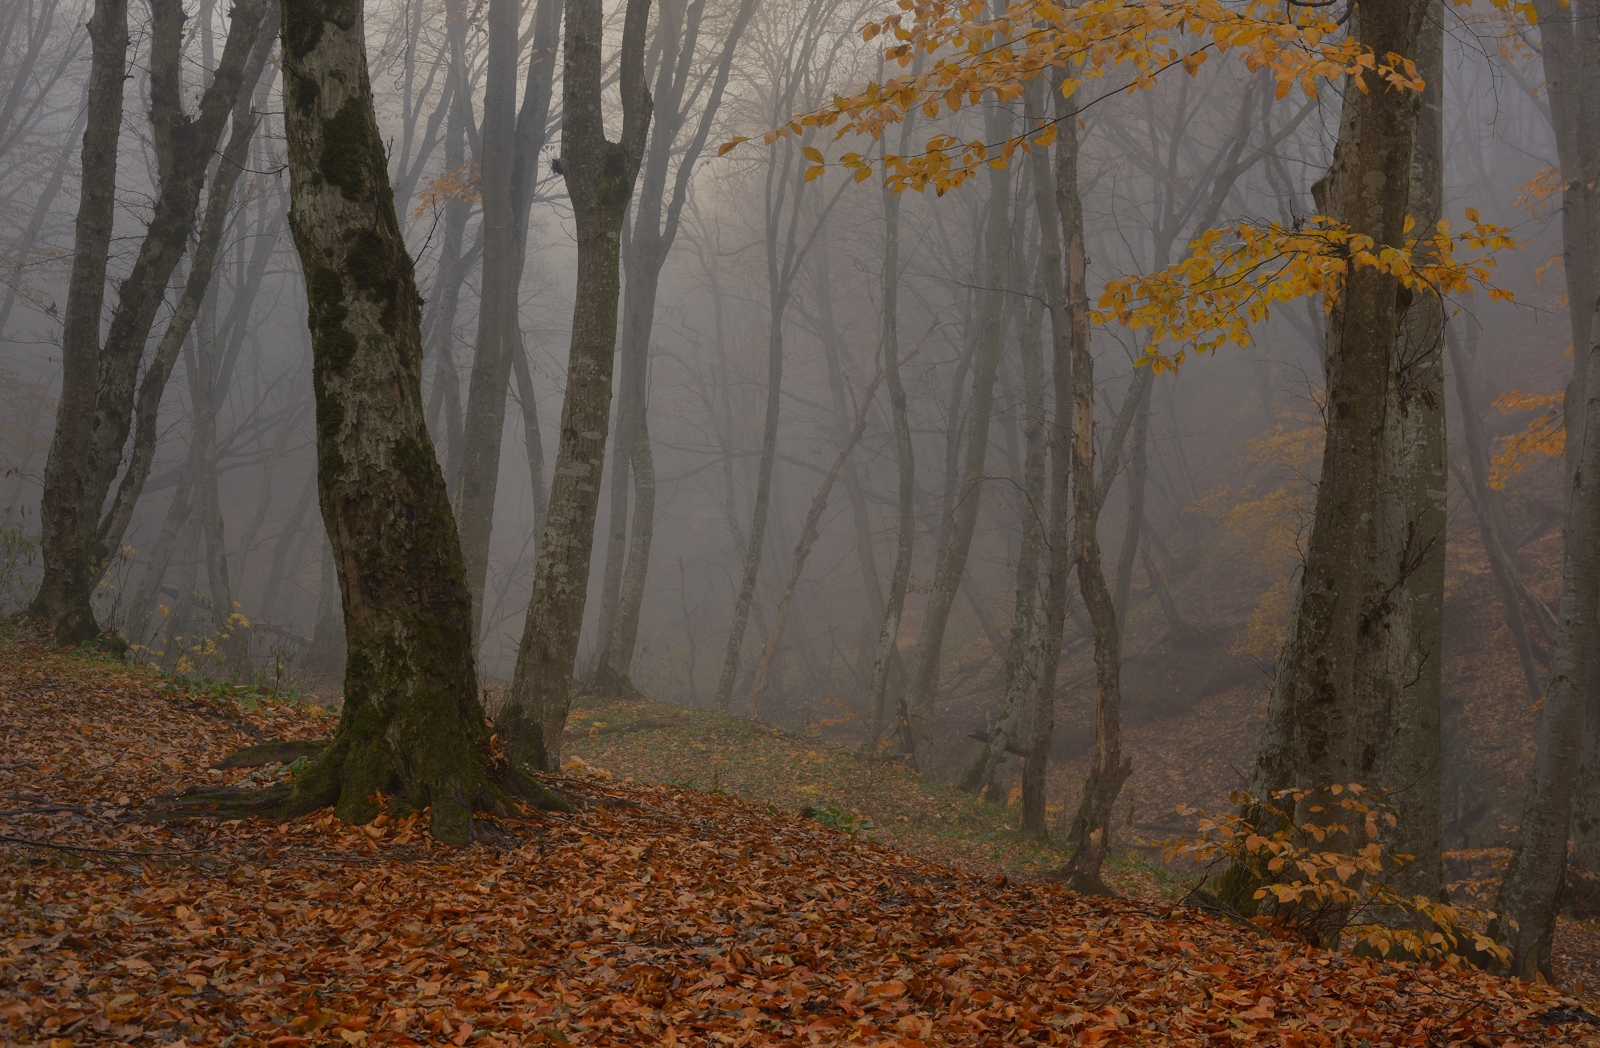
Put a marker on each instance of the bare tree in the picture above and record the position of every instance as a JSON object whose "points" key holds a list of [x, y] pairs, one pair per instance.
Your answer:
{"points": [[600, 177]]}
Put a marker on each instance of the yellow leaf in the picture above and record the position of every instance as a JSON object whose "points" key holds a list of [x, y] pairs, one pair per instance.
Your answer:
{"points": [[1411, 223], [861, 175], [869, 31], [1046, 135], [1283, 88], [1472, 214], [813, 154], [813, 172], [727, 146]]}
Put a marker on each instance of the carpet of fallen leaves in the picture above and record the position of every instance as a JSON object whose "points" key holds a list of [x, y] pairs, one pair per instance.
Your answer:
{"points": [[648, 915]]}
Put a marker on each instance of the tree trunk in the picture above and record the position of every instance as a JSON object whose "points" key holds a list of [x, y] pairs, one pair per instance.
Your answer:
{"points": [[1063, 265], [1538, 862], [497, 303], [1405, 673], [66, 516], [808, 536], [990, 774], [953, 557], [600, 176], [1327, 722], [887, 651], [412, 725], [1091, 826]]}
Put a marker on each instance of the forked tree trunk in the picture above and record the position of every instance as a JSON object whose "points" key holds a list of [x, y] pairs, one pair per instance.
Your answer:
{"points": [[66, 520], [183, 149], [219, 205], [600, 176], [412, 725]]}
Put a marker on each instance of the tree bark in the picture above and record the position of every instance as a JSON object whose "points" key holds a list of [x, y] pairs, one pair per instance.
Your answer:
{"points": [[66, 517], [1538, 862], [600, 178], [1405, 672], [1328, 720], [1063, 264], [1091, 826], [650, 240], [887, 652], [412, 724], [497, 302]]}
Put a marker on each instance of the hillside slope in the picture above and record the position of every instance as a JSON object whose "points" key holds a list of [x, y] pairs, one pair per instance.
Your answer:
{"points": [[648, 915]]}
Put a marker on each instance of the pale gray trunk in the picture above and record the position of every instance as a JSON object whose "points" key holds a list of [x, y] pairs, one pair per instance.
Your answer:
{"points": [[497, 302], [600, 178]]}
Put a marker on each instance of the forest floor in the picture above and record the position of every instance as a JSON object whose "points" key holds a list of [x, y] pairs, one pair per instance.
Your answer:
{"points": [[649, 914]]}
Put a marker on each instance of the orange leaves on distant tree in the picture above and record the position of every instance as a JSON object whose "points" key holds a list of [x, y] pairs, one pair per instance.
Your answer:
{"points": [[459, 183], [1232, 278], [1545, 435]]}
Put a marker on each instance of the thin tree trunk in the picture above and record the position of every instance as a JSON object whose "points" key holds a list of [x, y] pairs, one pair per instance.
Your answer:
{"points": [[808, 536], [990, 774], [626, 633], [953, 557], [1494, 546], [1138, 466], [202, 368], [532, 439], [66, 516], [1063, 266], [600, 178], [1091, 826], [412, 724], [887, 652], [497, 302]]}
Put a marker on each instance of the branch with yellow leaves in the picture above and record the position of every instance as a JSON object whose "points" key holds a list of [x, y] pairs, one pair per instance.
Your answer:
{"points": [[1232, 278]]}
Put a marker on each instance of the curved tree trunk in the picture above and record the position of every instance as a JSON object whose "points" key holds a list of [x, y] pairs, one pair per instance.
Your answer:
{"points": [[600, 176], [412, 725], [66, 519]]}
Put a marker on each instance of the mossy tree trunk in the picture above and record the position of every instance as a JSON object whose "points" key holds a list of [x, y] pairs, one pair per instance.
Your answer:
{"points": [[412, 725], [599, 176]]}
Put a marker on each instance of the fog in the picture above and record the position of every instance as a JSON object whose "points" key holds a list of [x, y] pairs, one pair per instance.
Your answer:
{"points": [[1226, 447]]}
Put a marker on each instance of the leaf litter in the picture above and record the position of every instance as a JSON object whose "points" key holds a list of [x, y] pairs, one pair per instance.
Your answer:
{"points": [[650, 914]]}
